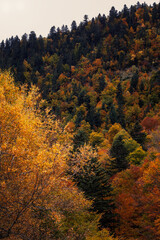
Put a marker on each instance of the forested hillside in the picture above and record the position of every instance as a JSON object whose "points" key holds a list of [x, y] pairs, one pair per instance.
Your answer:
{"points": [[79, 130]]}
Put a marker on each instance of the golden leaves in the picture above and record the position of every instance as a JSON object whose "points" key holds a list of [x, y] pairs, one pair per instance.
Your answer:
{"points": [[34, 149]]}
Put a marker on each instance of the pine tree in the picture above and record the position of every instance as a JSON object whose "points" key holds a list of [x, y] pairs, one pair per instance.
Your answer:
{"points": [[138, 134], [113, 114], [120, 110], [80, 138], [134, 82], [73, 26], [119, 153], [94, 182]]}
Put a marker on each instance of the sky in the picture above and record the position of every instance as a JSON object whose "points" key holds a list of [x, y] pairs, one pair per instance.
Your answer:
{"points": [[23, 16]]}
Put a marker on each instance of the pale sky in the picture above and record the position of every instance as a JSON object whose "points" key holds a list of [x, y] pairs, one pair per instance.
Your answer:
{"points": [[23, 16]]}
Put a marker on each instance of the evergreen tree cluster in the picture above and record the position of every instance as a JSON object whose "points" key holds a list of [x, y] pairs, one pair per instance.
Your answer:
{"points": [[104, 71]]}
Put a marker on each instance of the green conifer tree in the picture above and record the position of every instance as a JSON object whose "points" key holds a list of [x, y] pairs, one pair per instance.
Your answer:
{"points": [[138, 134], [94, 182]]}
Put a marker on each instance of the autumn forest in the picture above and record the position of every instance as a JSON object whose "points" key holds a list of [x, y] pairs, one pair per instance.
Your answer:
{"points": [[80, 130]]}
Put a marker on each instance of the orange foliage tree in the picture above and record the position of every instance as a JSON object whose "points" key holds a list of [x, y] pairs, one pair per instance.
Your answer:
{"points": [[137, 201]]}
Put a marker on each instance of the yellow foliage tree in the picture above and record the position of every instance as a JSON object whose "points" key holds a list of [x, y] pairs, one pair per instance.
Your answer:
{"points": [[114, 129], [36, 197]]}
